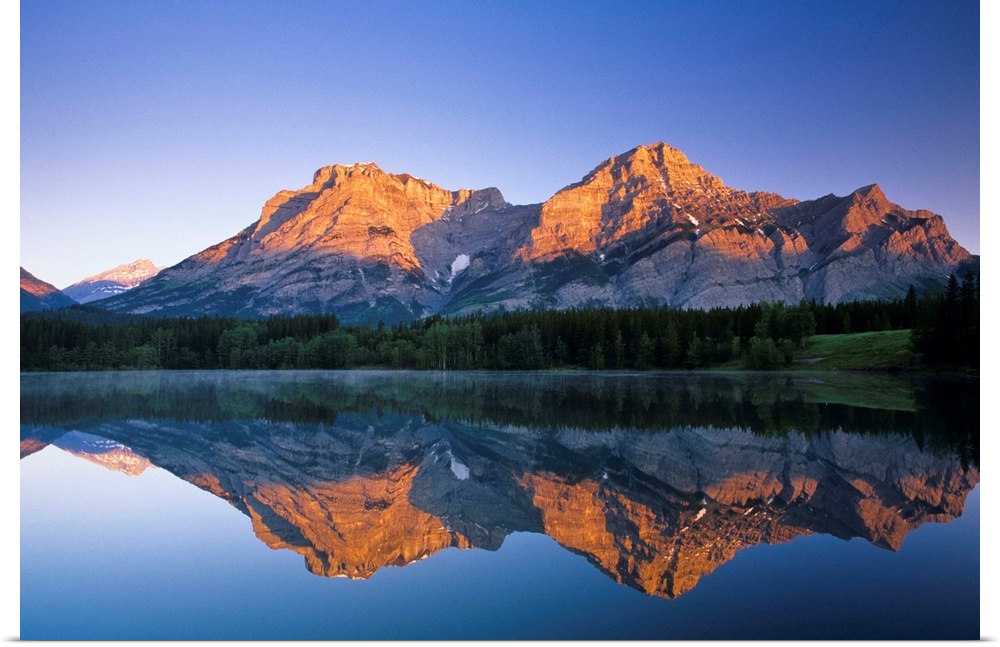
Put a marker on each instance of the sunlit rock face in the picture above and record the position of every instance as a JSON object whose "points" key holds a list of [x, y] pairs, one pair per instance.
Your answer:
{"points": [[342, 244], [646, 195], [648, 226], [644, 227], [37, 294]]}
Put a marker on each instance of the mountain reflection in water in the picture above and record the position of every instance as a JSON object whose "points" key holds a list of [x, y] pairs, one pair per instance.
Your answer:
{"points": [[656, 479]]}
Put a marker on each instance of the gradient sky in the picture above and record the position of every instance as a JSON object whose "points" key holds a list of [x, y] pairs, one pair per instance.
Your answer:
{"points": [[156, 129]]}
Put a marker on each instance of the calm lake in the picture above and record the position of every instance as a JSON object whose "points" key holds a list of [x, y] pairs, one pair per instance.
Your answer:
{"points": [[399, 505]]}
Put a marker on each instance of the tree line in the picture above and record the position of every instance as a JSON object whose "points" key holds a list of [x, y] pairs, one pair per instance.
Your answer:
{"points": [[759, 336], [948, 331]]}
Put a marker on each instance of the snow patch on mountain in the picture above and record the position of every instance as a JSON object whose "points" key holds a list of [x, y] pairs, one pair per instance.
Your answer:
{"points": [[460, 263]]}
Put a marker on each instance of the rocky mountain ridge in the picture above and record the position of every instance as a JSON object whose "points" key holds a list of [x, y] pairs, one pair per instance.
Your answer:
{"points": [[644, 227], [36, 294]]}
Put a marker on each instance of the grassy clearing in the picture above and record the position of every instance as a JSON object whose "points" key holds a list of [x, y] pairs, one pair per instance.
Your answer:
{"points": [[867, 351], [861, 390], [840, 364]]}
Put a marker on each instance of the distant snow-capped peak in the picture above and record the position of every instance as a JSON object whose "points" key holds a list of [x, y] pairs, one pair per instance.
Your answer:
{"points": [[112, 282], [129, 275]]}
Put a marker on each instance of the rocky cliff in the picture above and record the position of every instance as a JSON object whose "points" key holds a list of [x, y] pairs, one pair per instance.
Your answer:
{"points": [[644, 227]]}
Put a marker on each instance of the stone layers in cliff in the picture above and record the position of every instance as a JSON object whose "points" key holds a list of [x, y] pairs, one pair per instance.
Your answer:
{"points": [[644, 227]]}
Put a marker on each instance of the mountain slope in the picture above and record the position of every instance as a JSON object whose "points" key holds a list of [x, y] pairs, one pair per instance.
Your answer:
{"points": [[644, 227], [650, 227], [343, 243], [112, 282], [39, 295]]}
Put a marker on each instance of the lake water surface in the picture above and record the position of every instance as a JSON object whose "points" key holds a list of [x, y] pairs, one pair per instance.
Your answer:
{"points": [[397, 505]]}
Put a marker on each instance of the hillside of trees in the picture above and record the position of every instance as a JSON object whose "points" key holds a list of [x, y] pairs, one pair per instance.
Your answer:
{"points": [[757, 337]]}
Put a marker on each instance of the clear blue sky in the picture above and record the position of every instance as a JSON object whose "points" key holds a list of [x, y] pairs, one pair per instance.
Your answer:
{"points": [[156, 129]]}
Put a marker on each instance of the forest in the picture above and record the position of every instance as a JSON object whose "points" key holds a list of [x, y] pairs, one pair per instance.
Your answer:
{"points": [[764, 336]]}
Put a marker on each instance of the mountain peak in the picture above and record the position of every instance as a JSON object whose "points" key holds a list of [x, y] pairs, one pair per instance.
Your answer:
{"points": [[630, 196], [113, 282], [867, 206], [662, 164], [129, 274], [328, 176], [662, 153], [872, 192]]}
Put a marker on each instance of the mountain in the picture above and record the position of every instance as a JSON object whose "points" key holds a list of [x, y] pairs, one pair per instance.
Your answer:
{"points": [[112, 282], [644, 227], [39, 295]]}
